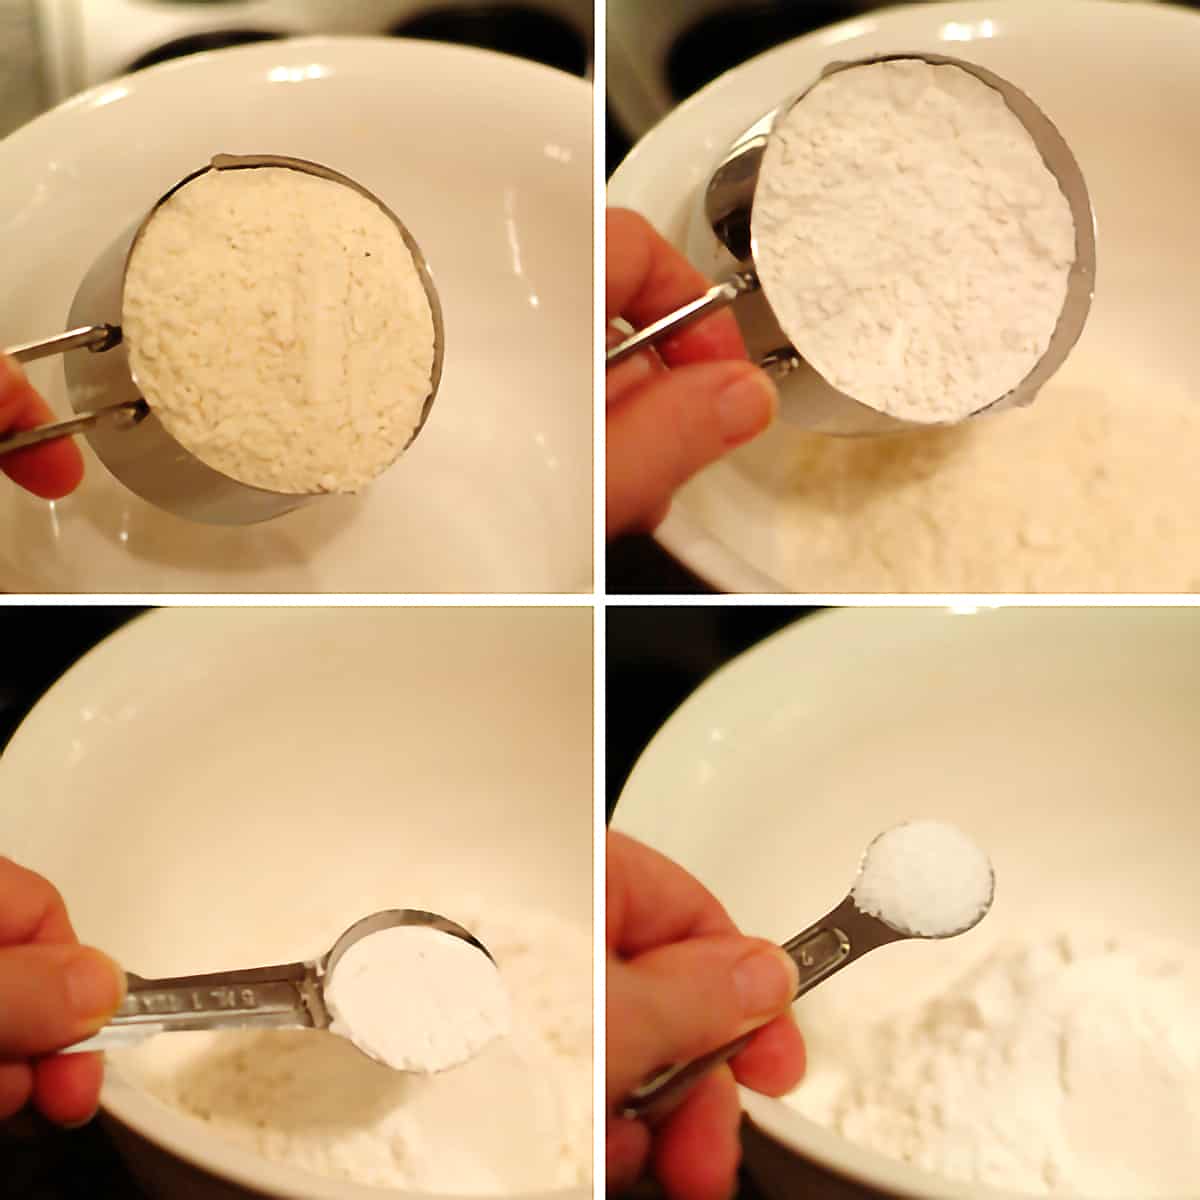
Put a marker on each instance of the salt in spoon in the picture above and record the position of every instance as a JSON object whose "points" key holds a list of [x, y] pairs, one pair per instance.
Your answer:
{"points": [[922, 879]]}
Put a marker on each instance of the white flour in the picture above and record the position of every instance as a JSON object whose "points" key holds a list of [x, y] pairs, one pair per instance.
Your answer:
{"points": [[912, 243], [416, 998], [1092, 489], [1061, 1068], [925, 878], [518, 1116], [278, 328]]}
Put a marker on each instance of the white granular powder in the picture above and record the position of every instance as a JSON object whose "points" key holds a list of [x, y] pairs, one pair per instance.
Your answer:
{"points": [[914, 246], [925, 878], [518, 1117], [1062, 1068], [279, 330], [417, 999], [1092, 489]]}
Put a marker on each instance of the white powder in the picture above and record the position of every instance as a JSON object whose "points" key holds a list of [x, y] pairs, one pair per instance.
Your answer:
{"points": [[924, 878], [416, 998], [912, 243], [1092, 489], [278, 328], [1058, 1068], [516, 1117]]}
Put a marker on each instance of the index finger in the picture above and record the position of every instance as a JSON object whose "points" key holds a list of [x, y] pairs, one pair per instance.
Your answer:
{"points": [[652, 901], [51, 470], [31, 909], [646, 278]]}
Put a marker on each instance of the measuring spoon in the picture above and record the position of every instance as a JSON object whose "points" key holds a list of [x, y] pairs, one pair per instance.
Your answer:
{"points": [[291, 996], [821, 950]]}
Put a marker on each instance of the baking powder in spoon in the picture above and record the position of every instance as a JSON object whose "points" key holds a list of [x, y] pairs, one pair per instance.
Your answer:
{"points": [[417, 999]]}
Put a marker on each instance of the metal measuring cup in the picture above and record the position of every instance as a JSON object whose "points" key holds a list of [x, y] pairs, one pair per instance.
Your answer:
{"points": [[122, 428], [722, 243]]}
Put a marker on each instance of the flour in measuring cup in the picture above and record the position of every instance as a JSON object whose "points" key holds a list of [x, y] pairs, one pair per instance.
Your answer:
{"points": [[278, 328], [914, 246]]}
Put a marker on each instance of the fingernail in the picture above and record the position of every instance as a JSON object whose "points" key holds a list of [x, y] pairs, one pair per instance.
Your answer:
{"points": [[766, 980], [626, 375], [95, 986], [747, 406]]}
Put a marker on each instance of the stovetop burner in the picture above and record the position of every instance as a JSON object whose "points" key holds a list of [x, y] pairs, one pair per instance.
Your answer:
{"points": [[508, 28], [196, 42], [725, 39]]}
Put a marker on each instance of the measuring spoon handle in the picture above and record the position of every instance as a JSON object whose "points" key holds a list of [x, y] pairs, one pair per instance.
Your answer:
{"points": [[818, 952], [281, 997], [716, 298]]}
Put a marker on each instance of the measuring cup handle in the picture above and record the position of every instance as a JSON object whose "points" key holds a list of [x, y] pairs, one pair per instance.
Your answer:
{"points": [[780, 363], [818, 952], [717, 297], [130, 410], [91, 337], [287, 996]]}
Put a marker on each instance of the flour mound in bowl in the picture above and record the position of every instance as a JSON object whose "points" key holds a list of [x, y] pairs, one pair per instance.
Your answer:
{"points": [[1093, 488], [311, 1100], [278, 328], [1064, 1067]]}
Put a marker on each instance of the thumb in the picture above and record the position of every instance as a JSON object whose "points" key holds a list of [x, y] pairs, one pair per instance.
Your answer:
{"points": [[686, 999], [664, 431], [53, 995]]}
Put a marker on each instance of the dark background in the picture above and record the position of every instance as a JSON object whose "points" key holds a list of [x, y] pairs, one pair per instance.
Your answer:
{"points": [[512, 28]]}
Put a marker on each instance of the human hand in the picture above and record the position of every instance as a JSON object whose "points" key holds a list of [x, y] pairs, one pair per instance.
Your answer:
{"points": [[672, 412], [53, 992], [682, 981], [51, 470]]}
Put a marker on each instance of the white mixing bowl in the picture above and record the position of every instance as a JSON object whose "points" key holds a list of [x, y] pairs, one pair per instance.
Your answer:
{"points": [[1120, 81], [487, 159], [204, 770], [1062, 739]]}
